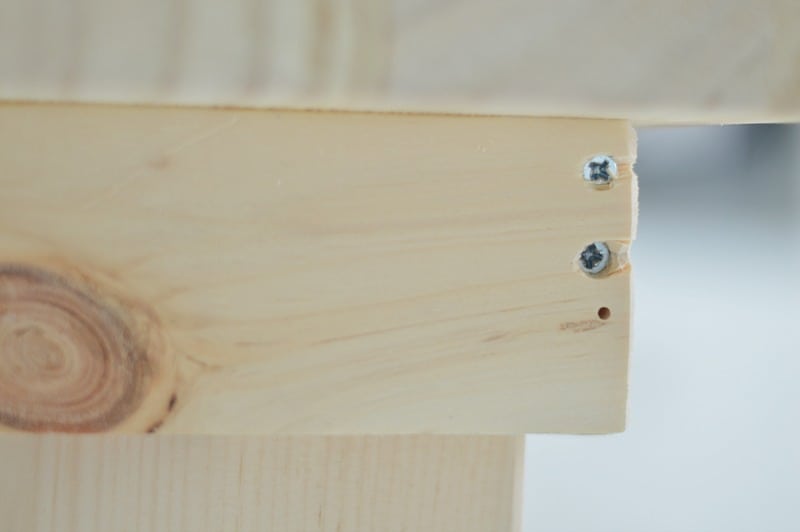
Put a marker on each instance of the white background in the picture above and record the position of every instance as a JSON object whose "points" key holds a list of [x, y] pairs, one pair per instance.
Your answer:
{"points": [[713, 437]]}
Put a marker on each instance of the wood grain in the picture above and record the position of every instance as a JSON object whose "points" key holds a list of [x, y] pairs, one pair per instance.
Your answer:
{"points": [[270, 483], [71, 361], [668, 61], [223, 271]]}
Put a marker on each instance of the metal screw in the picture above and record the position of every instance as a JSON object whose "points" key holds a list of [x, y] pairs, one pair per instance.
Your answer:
{"points": [[600, 170], [594, 258]]}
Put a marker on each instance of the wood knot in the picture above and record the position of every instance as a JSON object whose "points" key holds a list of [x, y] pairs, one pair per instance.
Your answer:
{"points": [[71, 360]]}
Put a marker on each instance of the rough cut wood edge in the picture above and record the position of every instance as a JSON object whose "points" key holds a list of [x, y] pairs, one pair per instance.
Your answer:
{"points": [[219, 271], [670, 61], [206, 483]]}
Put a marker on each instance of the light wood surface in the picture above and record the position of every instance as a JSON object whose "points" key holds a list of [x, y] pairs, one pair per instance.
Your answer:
{"points": [[220, 271], [668, 61], [270, 483]]}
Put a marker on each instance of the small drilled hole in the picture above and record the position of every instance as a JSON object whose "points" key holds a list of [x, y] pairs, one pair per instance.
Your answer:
{"points": [[604, 313]]}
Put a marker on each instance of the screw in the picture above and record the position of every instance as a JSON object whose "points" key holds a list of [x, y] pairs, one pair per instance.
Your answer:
{"points": [[600, 170], [594, 258]]}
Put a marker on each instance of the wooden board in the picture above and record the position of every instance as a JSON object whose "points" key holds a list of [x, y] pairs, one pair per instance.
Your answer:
{"points": [[219, 271], [264, 484], [668, 61]]}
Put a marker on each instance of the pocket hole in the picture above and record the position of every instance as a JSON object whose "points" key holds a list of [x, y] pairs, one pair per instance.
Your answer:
{"points": [[604, 313]]}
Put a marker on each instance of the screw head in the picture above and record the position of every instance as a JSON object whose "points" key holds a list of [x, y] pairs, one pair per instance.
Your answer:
{"points": [[600, 170], [594, 258]]}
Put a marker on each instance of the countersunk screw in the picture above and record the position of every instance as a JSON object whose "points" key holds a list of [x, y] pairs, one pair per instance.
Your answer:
{"points": [[600, 170], [594, 258]]}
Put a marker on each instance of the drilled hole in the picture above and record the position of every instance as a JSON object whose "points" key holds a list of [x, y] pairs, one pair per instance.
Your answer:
{"points": [[604, 313]]}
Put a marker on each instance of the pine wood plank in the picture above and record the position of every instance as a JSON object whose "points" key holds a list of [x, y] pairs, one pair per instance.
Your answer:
{"points": [[270, 483], [239, 272], [669, 61]]}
